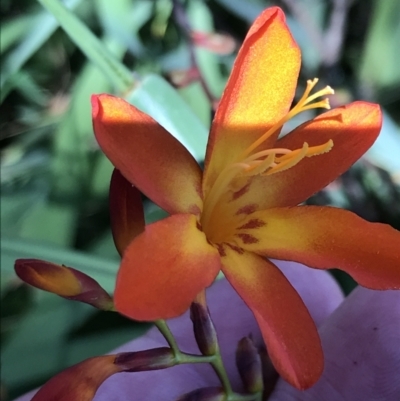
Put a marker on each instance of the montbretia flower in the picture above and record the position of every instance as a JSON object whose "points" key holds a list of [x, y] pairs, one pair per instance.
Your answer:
{"points": [[242, 210]]}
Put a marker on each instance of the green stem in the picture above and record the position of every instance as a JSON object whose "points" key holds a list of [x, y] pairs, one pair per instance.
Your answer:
{"points": [[169, 337], [214, 360], [220, 370]]}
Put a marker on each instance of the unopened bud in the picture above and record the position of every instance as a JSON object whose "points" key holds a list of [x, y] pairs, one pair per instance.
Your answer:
{"points": [[126, 211], [214, 42], [248, 362], [78, 382], [182, 78], [204, 394], [150, 359], [64, 281], [203, 328]]}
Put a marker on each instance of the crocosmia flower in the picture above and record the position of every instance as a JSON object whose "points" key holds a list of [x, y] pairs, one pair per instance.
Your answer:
{"points": [[241, 211]]}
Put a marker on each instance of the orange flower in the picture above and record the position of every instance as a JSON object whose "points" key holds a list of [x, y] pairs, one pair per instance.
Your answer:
{"points": [[242, 208]]}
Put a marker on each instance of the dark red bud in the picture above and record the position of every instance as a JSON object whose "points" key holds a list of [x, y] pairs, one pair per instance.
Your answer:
{"points": [[248, 362], [203, 328], [214, 42], [126, 211], [151, 359], [182, 78]]}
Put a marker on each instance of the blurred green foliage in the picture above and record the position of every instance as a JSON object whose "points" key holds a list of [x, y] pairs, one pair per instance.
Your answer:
{"points": [[54, 179]]}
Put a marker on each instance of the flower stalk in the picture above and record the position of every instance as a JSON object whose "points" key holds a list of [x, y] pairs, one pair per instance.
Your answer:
{"points": [[207, 341]]}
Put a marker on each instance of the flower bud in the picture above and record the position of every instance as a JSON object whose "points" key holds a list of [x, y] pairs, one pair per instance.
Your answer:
{"points": [[182, 78], [64, 281], [150, 359], [203, 328], [214, 42], [79, 382], [126, 211], [204, 394], [248, 362]]}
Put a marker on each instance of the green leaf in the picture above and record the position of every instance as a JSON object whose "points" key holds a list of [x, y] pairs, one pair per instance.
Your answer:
{"points": [[76, 170], [381, 57], [201, 20], [22, 165], [195, 97], [100, 180], [16, 207], [13, 30], [51, 223], [26, 86], [90, 45], [160, 100], [15, 303], [123, 19], [42, 27], [104, 247]]}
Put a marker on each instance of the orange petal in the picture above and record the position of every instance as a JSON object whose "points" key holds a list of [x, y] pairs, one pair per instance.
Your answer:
{"points": [[126, 211], [327, 237], [258, 94], [64, 281], [288, 330], [147, 155], [79, 382], [353, 129], [164, 268]]}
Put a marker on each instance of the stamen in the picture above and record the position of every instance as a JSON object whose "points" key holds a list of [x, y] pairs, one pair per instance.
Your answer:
{"points": [[323, 92], [270, 161], [290, 162], [273, 163], [310, 86], [323, 104], [302, 105], [261, 166], [320, 149], [267, 152], [312, 151]]}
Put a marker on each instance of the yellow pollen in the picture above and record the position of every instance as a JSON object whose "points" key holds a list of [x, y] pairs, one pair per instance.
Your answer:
{"points": [[269, 161]]}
